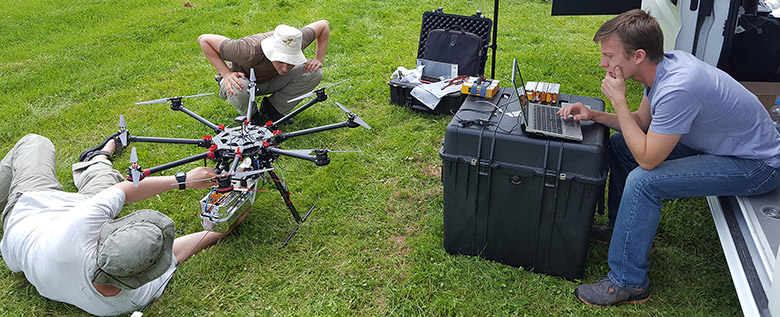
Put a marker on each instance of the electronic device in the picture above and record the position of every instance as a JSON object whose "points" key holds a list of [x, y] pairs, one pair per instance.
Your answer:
{"points": [[481, 87], [542, 119], [244, 155]]}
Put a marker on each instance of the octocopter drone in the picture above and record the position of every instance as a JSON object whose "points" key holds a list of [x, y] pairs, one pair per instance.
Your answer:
{"points": [[244, 157]]}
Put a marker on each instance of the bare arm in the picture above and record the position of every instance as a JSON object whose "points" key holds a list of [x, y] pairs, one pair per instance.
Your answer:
{"points": [[151, 186], [209, 44], [580, 112], [184, 247], [322, 36], [649, 148]]}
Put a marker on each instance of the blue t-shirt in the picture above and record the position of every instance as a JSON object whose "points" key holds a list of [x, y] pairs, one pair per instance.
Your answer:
{"points": [[713, 112]]}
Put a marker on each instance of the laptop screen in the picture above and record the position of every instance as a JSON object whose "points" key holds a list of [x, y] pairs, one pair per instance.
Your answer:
{"points": [[517, 81], [522, 97]]}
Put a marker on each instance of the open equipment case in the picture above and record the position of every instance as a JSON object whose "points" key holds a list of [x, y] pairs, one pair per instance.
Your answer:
{"points": [[717, 31], [400, 93]]}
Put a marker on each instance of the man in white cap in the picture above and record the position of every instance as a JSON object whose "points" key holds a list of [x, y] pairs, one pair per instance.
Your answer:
{"points": [[281, 69], [68, 245]]}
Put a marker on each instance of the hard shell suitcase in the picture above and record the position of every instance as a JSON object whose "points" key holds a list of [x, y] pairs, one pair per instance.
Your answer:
{"points": [[438, 20], [518, 199]]}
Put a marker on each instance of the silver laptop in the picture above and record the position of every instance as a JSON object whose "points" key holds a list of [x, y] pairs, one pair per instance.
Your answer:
{"points": [[542, 119]]}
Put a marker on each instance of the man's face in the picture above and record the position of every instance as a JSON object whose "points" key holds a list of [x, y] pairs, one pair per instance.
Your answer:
{"points": [[612, 56], [282, 68]]}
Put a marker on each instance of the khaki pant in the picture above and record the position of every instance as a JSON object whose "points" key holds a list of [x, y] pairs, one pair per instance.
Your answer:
{"points": [[30, 166], [282, 88]]}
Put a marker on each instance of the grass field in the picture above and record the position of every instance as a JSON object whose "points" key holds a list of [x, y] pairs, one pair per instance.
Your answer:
{"points": [[373, 245]]}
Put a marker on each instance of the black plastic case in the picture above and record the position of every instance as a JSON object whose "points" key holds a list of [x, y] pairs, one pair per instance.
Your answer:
{"points": [[518, 199], [437, 19]]}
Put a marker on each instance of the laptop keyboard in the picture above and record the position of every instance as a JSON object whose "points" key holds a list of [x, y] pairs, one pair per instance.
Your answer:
{"points": [[546, 119]]}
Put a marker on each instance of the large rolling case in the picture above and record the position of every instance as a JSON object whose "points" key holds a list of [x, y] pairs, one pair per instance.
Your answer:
{"points": [[517, 199], [437, 20]]}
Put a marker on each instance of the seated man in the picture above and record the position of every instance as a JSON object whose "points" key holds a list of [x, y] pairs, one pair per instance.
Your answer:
{"points": [[697, 132], [280, 67], [68, 245]]}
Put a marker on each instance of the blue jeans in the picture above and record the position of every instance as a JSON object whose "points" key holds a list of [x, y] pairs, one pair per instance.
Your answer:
{"points": [[685, 173]]}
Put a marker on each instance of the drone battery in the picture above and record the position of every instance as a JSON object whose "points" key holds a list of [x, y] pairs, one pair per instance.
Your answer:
{"points": [[486, 88], [530, 90], [541, 89], [552, 93], [519, 199], [220, 210]]}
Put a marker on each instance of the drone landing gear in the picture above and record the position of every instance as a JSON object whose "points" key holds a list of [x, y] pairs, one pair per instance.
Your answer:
{"points": [[285, 195], [284, 244]]}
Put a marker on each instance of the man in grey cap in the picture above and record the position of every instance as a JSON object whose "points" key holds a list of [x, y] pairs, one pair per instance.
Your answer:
{"points": [[68, 245], [280, 67]]}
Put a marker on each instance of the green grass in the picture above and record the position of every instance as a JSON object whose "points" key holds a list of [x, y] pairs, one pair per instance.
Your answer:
{"points": [[374, 242]]}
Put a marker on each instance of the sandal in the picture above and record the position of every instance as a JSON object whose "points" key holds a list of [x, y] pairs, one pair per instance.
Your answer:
{"points": [[89, 153]]}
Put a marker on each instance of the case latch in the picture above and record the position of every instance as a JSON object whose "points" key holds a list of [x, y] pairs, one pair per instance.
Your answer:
{"points": [[551, 176]]}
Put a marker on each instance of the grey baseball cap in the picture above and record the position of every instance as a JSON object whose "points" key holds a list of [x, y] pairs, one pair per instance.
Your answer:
{"points": [[134, 249]]}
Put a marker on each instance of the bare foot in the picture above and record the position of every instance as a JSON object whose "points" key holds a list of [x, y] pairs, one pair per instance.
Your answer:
{"points": [[109, 147]]}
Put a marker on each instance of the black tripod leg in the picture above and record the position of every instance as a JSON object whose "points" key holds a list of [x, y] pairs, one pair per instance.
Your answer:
{"points": [[285, 195]]}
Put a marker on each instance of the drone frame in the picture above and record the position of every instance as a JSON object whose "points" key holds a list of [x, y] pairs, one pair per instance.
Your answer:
{"points": [[230, 146]]}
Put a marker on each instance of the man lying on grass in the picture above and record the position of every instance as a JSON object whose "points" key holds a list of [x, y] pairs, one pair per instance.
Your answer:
{"points": [[68, 244]]}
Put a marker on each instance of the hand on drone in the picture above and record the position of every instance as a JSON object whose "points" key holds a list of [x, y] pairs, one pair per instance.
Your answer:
{"points": [[231, 80], [312, 65], [207, 174]]}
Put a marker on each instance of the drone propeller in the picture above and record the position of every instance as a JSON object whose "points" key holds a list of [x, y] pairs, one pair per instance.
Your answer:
{"points": [[251, 94], [164, 100], [355, 117], [135, 172], [311, 93], [301, 152], [250, 173], [122, 131]]}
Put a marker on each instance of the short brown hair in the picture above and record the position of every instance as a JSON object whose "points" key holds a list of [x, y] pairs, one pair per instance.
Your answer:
{"points": [[635, 29]]}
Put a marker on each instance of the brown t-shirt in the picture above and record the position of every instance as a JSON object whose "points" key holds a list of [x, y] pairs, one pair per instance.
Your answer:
{"points": [[246, 53]]}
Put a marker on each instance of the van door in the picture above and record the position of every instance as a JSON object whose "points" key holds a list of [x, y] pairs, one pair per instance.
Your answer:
{"points": [[705, 27]]}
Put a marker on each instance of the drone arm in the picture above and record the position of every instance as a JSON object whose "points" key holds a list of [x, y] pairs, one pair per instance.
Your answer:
{"points": [[201, 143], [179, 107], [179, 162], [284, 136], [320, 96], [234, 164], [321, 159]]}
